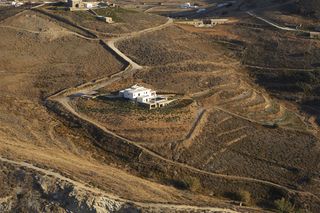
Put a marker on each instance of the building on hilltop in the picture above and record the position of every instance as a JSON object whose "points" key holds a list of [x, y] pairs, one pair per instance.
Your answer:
{"points": [[138, 93], [76, 5], [145, 96], [205, 22], [106, 19], [16, 3]]}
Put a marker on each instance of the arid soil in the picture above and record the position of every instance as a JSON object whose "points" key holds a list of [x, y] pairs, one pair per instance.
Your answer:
{"points": [[171, 46], [130, 121], [30, 191], [32, 47], [286, 65], [220, 78], [236, 102], [235, 142], [228, 140], [32, 68], [125, 20]]}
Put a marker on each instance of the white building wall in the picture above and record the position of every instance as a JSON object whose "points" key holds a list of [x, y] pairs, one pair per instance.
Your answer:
{"points": [[140, 94], [135, 94], [144, 99], [88, 5]]}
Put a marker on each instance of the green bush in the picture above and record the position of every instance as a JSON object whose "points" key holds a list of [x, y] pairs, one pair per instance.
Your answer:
{"points": [[284, 206], [245, 197], [241, 196], [187, 183], [193, 184]]}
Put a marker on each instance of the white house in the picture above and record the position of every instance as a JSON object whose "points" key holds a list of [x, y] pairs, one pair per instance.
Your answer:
{"points": [[16, 3], [145, 96], [138, 93], [88, 5], [188, 5]]}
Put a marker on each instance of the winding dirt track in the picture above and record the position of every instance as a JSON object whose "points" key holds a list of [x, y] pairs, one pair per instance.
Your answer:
{"points": [[97, 191], [99, 83], [280, 68], [38, 32], [64, 100], [271, 23]]}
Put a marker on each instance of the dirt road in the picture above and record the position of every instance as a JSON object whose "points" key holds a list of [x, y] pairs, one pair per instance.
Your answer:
{"points": [[271, 23], [277, 25], [65, 102], [63, 99], [96, 191], [131, 68]]}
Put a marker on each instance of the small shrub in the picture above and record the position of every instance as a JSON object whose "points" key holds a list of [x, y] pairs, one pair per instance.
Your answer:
{"points": [[142, 118], [271, 125], [241, 196], [188, 183], [245, 197], [284, 206], [193, 184], [179, 184]]}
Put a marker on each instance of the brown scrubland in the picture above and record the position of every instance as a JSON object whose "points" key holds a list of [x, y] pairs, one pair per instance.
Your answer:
{"points": [[242, 134]]}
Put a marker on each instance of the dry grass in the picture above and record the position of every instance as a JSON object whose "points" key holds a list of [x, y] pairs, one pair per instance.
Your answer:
{"points": [[224, 147], [31, 69], [125, 20], [184, 61], [265, 153], [51, 65], [172, 45], [184, 78], [137, 123]]}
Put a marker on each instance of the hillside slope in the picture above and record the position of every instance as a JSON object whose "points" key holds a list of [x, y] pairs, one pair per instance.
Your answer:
{"points": [[310, 7]]}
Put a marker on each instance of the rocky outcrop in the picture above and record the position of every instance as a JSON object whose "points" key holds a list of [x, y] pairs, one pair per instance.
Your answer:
{"points": [[27, 191]]}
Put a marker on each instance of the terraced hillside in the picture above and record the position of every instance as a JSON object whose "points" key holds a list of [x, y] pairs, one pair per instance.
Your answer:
{"points": [[137, 124], [292, 74], [224, 143], [39, 58], [221, 79], [254, 115]]}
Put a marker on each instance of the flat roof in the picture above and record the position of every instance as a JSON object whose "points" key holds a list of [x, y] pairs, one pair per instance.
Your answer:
{"points": [[136, 88]]}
